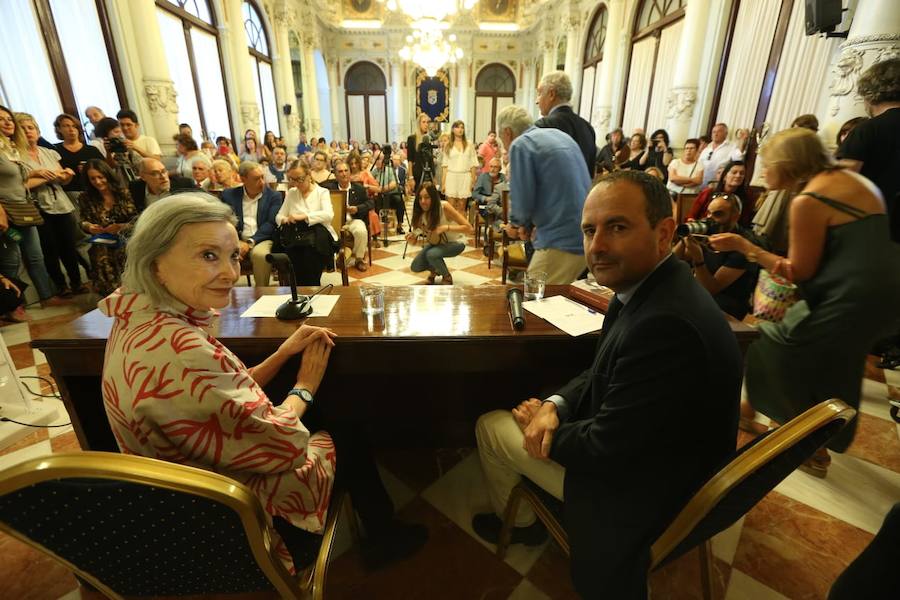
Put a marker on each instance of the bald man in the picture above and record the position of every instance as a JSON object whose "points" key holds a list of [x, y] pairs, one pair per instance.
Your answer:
{"points": [[155, 184]]}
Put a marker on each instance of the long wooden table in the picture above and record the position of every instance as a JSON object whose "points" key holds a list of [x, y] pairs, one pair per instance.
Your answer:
{"points": [[421, 374]]}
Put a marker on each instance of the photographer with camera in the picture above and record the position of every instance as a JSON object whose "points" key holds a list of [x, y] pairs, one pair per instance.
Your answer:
{"points": [[125, 161], [144, 145], [728, 276], [659, 154], [389, 195], [438, 226], [420, 152]]}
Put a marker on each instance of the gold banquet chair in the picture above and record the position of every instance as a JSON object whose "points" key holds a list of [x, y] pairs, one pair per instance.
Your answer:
{"points": [[512, 252], [345, 238], [751, 473], [135, 526]]}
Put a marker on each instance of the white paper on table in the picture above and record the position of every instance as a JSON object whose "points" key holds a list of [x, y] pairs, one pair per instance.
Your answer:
{"points": [[570, 316], [267, 305]]}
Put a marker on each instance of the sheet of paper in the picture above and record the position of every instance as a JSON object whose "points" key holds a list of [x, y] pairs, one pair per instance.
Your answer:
{"points": [[570, 316], [267, 305]]}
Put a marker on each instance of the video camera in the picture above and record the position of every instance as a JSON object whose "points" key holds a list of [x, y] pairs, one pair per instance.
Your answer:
{"points": [[702, 227], [116, 145]]}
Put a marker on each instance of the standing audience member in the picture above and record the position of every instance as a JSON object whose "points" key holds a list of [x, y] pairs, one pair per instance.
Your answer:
{"points": [[94, 115], [255, 206], [418, 155], [847, 127], [185, 129], [718, 152], [637, 149], [252, 152], [606, 158], [438, 226], [488, 149], [268, 144], [807, 121], [144, 145], [389, 195], [358, 207], [686, 173], [14, 181], [548, 188], [112, 144], [278, 167], [873, 147], [154, 184], [659, 154], [842, 259], [459, 168], [73, 152], [604, 443], [554, 97], [732, 181], [106, 211], [307, 207], [57, 233], [187, 151]]}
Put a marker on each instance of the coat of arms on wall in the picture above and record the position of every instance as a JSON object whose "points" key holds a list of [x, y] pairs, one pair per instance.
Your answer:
{"points": [[433, 95]]}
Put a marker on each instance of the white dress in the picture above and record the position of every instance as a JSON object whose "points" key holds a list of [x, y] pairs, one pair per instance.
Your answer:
{"points": [[457, 165]]}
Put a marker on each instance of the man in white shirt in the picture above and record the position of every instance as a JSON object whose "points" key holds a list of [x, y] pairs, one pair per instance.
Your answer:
{"points": [[718, 152], [358, 207], [144, 145]]}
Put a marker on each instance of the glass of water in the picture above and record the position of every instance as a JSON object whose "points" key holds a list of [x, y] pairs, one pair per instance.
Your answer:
{"points": [[535, 282], [372, 296]]}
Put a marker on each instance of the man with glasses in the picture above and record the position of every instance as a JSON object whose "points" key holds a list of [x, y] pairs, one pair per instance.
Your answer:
{"points": [[358, 207], [255, 206], [155, 184]]}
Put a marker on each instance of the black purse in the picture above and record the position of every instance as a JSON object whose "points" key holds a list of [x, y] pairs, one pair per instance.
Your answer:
{"points": [[297, 235]]}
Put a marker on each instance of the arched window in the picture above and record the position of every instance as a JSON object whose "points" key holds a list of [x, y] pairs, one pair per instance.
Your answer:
{"points": [[561, 54], [495, 88], [654, 52], [366, 100], [191, 43], [261, 66], [593, 56]]}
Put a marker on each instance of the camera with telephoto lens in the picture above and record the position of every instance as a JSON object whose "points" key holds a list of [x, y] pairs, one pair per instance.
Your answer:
{"points": [[703, 227], [386, 151], [116, 145]]}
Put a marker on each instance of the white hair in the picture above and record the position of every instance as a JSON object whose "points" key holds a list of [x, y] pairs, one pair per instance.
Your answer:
{"points": [[155, 231], [515, 118], [560, 83]]}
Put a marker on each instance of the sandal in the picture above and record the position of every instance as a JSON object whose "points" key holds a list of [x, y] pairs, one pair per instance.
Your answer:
{"points": [[447, 279]]}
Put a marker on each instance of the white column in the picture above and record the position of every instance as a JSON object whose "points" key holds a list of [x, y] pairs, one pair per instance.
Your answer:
{"points": [[284, 88], [338, 116], [574, 54], [683, 95], [159, 94], [313, 117], [612, 48], [548, 53], [874, 36], [398, 104], [240, 65], [460, 108]]}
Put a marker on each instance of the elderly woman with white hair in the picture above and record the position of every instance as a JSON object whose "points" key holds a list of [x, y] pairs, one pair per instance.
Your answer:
{"points": [[204, 408]]}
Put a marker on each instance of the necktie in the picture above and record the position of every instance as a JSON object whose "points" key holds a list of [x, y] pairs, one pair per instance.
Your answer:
{"points": [[612, 313]]}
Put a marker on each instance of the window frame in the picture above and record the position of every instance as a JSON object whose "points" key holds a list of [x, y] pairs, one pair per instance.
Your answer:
{"points": [[261, 57], [495, 96], [365, 93]]}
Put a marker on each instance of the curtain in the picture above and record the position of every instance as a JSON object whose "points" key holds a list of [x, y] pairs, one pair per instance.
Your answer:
{"points": [[802, 73], [212, 87], [356, 122], [179, 68], [268, 106], [483, 107], [753, 34], [26, 80], [664, 73], [587, 92], [377, 120], [636, 96]]}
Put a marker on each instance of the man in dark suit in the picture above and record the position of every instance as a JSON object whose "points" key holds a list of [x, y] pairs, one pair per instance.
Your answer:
{"points": [[358, 207], [255, 206], [653, 416], [155, 184], [554, 97]]}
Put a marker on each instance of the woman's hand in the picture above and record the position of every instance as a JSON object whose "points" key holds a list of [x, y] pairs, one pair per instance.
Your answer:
{"points": [[728, 242], [9, 285], [297, 217], [412, 239], [94, 229], [113, 228], [304, 336], [313, 365]]}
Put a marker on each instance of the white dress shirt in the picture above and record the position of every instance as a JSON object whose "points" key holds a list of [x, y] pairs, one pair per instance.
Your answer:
{"points": [[251, 206], [316, 206], [716, 157]]}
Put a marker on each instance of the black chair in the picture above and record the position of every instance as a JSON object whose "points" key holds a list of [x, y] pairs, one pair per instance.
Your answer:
{"points": [[135, 526], [751, 473]]}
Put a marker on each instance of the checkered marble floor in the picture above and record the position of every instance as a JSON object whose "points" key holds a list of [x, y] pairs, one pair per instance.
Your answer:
{"points": [[791, 545]]}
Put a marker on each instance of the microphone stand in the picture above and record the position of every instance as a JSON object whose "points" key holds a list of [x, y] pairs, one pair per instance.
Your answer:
{"points": [[295, 308]]}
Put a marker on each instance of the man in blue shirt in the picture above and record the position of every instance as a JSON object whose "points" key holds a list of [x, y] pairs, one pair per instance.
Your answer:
{"points": [[547, 189], [303, 147]]}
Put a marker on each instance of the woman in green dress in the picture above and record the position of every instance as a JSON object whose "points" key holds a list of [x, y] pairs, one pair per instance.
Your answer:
{"points": [[848, 274]]}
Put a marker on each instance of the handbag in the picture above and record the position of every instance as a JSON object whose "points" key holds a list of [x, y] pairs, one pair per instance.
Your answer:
{"points": [[297, 235], [22, 214], [773, 296]]}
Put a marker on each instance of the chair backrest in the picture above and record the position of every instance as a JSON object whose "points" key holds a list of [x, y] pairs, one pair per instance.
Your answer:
{"points": [[339, 206], [135, 526], [748, 476], [683, 204], [504, 205]]}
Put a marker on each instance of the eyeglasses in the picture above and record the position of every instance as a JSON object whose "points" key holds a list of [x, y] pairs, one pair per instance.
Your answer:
{"points": [[158, 173], [298, 179]]}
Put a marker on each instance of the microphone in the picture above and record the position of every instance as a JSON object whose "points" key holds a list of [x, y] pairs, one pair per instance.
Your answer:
{"points": [[296, 307], [516, 316]]}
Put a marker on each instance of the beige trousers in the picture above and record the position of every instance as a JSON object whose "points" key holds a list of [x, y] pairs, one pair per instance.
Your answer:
{"points": [[504, 461], [561, 267], [262, 270], [360, 237]]}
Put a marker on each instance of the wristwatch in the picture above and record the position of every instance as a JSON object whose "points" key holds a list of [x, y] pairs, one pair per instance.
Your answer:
{"points": [[302, 393]]}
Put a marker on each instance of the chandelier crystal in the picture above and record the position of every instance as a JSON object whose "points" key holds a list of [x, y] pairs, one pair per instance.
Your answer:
{"points": [[427, 47], [429, 9]]}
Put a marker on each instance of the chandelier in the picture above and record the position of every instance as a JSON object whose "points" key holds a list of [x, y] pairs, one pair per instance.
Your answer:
{"points": [[429, 9], [428, 48]]}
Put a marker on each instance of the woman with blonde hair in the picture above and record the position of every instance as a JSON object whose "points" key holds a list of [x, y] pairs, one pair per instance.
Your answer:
{"points": [[222, 176], [845, 267], [460, 168]]}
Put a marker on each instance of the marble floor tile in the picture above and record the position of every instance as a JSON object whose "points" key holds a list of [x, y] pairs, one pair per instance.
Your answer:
{"points": [[451, 566], [18, 333], [22, 355], [855, 491], [36, 450], [467, 278], [873, 399], [461, 494], [27, 574], [37, 435], [550, 574], [744, 587], [872, 371], [418, 468], [725, 543], [458, 263], [394, 262], [528, 591], [680, 579], [65, 443], [42, 326], [892, 377], [876, 441], [794, 549]]}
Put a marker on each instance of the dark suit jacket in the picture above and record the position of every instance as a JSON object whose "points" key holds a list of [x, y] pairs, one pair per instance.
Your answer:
{"points": [[266, 209], [565, 119], [138, 189], [651, 419], [357, 197]]}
